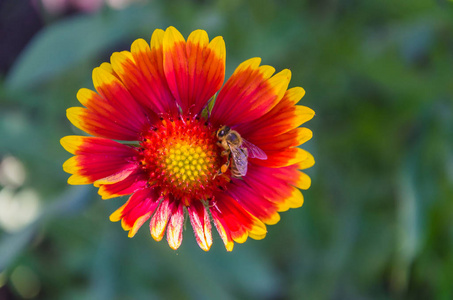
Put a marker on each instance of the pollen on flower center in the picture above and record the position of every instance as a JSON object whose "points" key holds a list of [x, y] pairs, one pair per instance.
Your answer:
{"points": [[182, 158], [187, 163]]}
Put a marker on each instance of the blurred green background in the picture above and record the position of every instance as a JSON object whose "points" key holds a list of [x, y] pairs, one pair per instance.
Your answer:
{"points": [[377, 222]]}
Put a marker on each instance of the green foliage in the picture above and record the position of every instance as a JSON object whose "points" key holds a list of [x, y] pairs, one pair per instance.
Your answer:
{"points": [[377, 221]]}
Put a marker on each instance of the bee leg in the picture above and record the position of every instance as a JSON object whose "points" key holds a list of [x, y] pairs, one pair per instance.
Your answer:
{"points": [[222, 169], [225, 152]]}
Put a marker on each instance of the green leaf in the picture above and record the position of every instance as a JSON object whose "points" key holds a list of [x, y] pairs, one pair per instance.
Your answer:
{"points": [[12, 245]]}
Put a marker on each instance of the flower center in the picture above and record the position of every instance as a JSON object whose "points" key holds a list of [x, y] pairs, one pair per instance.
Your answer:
{"points": [[182, 158]]}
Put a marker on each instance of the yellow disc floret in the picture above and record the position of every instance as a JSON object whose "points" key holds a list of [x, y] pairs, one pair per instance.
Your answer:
{"points": [[186, 163]]}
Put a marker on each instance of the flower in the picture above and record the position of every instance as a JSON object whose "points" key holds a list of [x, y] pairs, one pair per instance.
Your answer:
{"points": [[159, 101]]}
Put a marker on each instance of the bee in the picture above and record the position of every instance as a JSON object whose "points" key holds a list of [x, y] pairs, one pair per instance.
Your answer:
{"points": [[238, 151]]}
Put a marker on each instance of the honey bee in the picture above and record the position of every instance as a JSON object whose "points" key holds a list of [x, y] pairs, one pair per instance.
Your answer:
{"points": [[238, 151]]}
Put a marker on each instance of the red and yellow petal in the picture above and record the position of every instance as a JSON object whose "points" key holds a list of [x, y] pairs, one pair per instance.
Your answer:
{"points": [[225, 235], [308, 162], [278, 185], [136, 180], [283, 158], [294, 200], [292, 138], [280, 141], [130, 111], [195, 69], [101, 118], [249, 93], [234, 221], [137, 210], [96, 159], [139, 87], [252, 201], [160, 219], [291, 174], [199, 218], [141, 71], [175, 226], [284, 117]]}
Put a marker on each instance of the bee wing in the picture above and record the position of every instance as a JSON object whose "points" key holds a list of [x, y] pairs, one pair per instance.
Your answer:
{"points": [[254, 151], [239, 160]]}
